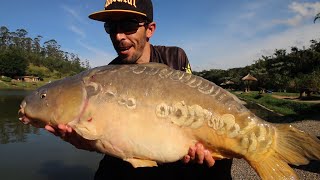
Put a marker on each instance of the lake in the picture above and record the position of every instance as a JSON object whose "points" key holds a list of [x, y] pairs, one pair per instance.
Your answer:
{"points": [[30, 153]]}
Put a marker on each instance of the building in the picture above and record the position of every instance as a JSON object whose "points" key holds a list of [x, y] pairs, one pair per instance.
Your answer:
{"points": [[27, 78]]}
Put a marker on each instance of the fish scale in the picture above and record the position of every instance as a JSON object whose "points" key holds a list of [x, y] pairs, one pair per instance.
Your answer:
{"points": [[149, 113]]}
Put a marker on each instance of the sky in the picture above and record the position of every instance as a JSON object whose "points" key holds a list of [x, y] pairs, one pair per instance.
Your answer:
{"points": [[215, 34]]}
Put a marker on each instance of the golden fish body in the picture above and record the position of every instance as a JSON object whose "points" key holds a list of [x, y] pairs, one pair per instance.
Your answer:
{"points": [[148, 114]]}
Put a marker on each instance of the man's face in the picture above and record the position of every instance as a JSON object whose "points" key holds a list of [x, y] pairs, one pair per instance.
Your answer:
{"points": [[129, 43]]}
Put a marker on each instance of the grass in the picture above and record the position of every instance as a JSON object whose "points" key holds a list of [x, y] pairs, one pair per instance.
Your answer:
{"points": [[4, 84], [287, 94], [293, 109], [23, 85]]}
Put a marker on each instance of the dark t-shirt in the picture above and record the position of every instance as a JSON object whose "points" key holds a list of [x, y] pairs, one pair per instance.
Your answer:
{"points": [[117, 169]]}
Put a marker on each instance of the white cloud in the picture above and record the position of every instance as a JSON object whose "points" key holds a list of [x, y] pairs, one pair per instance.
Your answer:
{"points": [[247, 15], [305, 9], [253, 33], [73, 13], [298, 36], [74, 18], [78, 31], [97, 56], [301, 11], [240, 54]]}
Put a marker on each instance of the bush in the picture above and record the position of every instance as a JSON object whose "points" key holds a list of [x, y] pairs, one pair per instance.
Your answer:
{"points": [[5, 79]]}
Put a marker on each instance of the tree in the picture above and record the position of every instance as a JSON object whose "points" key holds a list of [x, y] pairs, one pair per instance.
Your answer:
{"points": [[52, 48], [4, 37], [36, 48], [316, 17], [280, 53], [12, 63], [315, 45], [18, 38], [17, 51]]}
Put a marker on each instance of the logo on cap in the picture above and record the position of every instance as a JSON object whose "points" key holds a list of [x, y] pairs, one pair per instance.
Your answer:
{"points": [[130, 2]]}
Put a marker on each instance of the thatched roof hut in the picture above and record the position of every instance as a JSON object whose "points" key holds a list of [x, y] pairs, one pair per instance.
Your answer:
{"points": [[249, 77]]}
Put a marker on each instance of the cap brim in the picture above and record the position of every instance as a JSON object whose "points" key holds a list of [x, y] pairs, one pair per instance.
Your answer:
{"points": [[105, 15]]}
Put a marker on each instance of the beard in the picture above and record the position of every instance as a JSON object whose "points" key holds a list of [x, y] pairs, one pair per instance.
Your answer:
{"points": [[130, 50], [135, 50]]}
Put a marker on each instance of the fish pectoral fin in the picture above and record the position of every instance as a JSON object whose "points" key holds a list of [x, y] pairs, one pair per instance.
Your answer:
{"points": [[217, 156], [86, 131], [141, 162]]}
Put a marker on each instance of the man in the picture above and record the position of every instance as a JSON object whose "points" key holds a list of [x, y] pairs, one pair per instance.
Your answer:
{"points": [[130, 26]]}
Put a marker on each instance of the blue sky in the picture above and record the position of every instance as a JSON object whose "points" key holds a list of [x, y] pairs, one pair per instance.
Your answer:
{"points": [[215, 34]]}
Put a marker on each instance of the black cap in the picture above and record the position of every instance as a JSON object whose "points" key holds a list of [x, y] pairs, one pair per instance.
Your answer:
{"points": [[115, 8]]}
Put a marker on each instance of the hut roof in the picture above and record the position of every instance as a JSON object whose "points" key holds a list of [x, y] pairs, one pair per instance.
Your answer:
{"points": [[229, 82], [249, 77]]}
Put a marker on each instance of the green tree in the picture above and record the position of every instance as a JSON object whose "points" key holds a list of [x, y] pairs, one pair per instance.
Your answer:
{"points": [[316, 17], [4, 38], [12, 63], [18, 38], [36, 46], [16, 49], [52, 49], [37, 71], [259, 70]]}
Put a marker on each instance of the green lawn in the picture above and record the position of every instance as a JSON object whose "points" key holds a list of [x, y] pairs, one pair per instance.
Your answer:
{"points": [[23, 85], [290, 108]]}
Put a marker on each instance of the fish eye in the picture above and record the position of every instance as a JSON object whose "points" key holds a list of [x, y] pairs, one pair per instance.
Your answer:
{"points": [[43, 95]]}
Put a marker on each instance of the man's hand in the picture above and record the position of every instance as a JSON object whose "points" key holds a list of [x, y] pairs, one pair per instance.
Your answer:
{"points": [[66, 133], [199, 154]]}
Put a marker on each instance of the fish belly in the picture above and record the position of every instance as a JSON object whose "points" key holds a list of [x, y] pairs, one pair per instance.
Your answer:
{"points": [[136, 133]]}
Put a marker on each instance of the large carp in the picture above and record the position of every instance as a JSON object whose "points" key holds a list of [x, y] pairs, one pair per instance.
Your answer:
{"points": [[148, 114]]}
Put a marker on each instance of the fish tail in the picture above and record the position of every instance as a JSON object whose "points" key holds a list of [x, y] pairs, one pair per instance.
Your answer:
{"points": [[273, 168], [291, 146]]}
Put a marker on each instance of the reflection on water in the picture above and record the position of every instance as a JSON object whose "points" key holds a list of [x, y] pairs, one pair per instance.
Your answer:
{"points": [[11, 129], [27, 152]]}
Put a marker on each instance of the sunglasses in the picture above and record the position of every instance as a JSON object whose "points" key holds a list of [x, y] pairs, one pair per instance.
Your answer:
{"points": [[126, 26]]}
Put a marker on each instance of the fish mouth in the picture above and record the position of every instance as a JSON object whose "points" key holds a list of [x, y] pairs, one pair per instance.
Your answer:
{"points": [[23, 117], [28, 121], [21, 113], [25, 120]]}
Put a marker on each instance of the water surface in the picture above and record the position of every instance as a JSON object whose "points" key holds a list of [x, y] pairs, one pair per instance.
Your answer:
{"points": [[31, 153]]}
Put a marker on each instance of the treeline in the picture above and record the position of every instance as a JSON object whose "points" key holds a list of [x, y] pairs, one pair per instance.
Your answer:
{"points": [[23, 55], [282, 71]]}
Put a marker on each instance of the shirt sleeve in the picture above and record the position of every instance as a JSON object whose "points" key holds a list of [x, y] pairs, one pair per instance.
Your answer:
{"points": [[184, 61], [174, 57]]}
